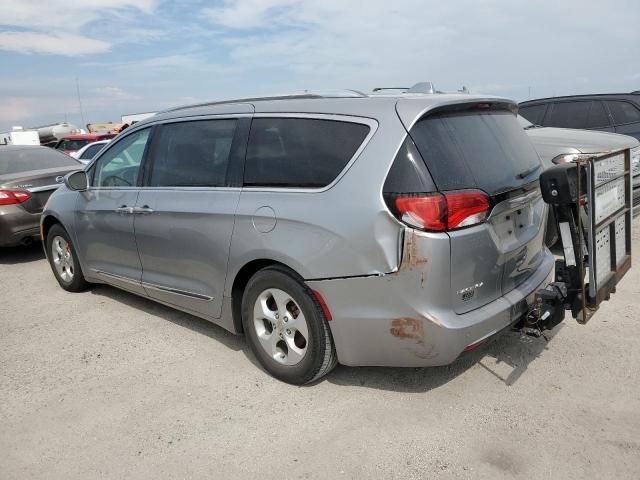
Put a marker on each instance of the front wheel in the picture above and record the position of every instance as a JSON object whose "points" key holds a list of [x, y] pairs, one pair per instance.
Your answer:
{"points": [[64, 260], [286, 327]]}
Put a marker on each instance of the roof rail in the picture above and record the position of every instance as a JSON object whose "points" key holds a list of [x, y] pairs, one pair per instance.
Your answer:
{"points": [[307, 94], [378, 89]]}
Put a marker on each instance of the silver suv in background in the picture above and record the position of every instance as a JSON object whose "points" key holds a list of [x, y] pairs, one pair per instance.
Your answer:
{"points": [[391, 230], [560, 145]]}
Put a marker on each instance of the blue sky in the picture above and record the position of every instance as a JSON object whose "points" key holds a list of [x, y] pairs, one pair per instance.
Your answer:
{"points": [[140, 55]]}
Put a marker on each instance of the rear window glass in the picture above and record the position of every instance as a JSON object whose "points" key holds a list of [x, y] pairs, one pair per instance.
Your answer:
{"points": [[29, 159], [623, 112], [489, 151], [533, 113], [568, 115], [300, 152]]}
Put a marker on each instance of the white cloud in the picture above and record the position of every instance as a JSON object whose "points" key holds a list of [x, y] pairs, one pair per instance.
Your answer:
{"points": [[70, 14], [113, 93], [51, 43], [56, 27], [16, 110], [250, 13], [495, 44]]}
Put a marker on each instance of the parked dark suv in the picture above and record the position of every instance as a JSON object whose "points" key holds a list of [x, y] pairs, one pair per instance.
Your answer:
{"points": [[611, 112]]}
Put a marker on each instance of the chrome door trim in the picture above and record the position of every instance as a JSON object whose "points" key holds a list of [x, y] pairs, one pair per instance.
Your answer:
{"points": [[114, 276], [152, 286], [176, 291]]}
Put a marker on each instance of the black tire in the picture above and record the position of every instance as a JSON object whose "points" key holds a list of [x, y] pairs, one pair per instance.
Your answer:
{"points": [[77, 283], [320, 356]]}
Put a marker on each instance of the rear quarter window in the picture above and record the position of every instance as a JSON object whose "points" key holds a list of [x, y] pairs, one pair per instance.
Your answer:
{"points": [[568, 115], [489, 151], [533, 113], [623, 112], [300, 152]]}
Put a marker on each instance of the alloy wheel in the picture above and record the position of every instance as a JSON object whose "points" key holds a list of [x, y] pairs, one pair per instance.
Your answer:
{"points": [[280, 326], [62, 258]]}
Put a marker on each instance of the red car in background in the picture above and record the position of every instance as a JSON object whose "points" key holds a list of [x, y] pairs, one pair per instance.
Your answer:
{"points": [[73, 143]]}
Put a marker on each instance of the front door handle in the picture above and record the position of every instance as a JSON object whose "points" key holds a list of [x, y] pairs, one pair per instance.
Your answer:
{"points": [[143, 210], [124, 209]]}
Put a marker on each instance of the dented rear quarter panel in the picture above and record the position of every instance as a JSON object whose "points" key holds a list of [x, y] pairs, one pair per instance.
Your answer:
{"points": [[405, 318]]}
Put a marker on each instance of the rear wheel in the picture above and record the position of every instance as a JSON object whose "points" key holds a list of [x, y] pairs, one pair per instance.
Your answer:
{"points": [[64, 260], [286, 327]]}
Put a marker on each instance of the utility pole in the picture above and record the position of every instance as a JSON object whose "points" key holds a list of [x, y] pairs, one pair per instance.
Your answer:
{"points": [[80, 102]]}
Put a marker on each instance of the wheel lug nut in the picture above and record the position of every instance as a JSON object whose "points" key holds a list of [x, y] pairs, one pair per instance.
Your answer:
{"points": [[286, 319], [288, 332], [276, 315]]}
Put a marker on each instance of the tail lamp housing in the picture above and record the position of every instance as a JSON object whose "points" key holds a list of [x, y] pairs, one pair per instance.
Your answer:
{"points": [[440, 212], [13, 197]]}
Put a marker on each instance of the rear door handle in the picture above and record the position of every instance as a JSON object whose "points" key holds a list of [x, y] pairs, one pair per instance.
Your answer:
{"points": [[124, 209], [143, 210]]}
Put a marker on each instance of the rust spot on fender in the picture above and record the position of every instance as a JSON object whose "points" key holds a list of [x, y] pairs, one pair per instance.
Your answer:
{"points": [[408, 328]]}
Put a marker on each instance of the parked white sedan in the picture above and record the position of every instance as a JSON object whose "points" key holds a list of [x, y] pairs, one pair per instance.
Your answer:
{"points": [[86, 153]]}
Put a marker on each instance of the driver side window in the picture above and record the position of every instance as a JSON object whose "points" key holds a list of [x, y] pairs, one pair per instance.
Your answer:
{"points": [[120, 165]]}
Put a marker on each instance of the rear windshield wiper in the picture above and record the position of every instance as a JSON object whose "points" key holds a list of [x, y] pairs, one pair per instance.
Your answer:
{"points": [[531, 126], [526, 173]]}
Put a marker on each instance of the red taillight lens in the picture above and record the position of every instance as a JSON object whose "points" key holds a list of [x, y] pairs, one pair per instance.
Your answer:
{"points": [[466, 208], [427, 211], [444, 211], [12, 197]]}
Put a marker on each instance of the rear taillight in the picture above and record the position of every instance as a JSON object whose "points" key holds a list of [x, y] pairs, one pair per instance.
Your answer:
{"points": [[12, 197], [443, 211]]}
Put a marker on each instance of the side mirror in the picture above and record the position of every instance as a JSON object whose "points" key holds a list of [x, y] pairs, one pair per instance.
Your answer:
{"points": [[77, 181]]}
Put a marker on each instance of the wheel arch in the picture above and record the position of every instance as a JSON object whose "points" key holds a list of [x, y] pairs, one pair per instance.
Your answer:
{"points": [[241, 280], [48, 221]]}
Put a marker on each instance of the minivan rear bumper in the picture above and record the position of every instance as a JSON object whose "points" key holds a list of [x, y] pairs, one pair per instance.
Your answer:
{"points": [[383, 321]]}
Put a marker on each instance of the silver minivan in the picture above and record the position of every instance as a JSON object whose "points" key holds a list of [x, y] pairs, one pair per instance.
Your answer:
{"points": [[389, 230]]}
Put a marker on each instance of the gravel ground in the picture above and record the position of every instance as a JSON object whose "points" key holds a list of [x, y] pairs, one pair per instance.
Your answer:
{"points": [[108, 385]]}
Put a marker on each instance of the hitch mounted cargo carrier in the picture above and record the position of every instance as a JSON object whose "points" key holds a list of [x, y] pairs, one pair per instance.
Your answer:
{"points": [[592, 202]]}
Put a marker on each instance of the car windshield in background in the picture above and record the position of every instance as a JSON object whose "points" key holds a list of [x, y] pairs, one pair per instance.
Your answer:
{"points": [[91, 151], [489, 151], [29, 159], [72, 144]]}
